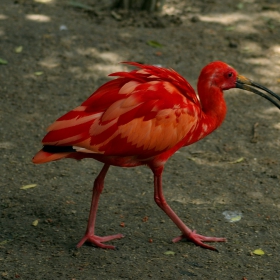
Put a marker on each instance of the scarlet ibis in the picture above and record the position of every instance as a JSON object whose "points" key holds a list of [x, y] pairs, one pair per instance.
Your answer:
{"points": [[142, 118]]}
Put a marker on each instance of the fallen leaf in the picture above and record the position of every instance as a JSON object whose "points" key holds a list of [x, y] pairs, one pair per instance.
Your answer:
{"points": [[3, 242], [145, 219], [169, 253], [270, 7], [240, 6], [6, 145], [188, 273], [116, 15], [18, 49], [246, 50], [70, 202], [259, 252], [28, 186], [35, 223], [3, 61], [237, 161], [232, 216], [230, 28], [154, 44], [39, 73], [235, 219], [63, 27], [80, 5]]}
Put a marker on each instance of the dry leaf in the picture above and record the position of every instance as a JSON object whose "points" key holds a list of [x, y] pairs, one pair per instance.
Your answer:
{"points": [[28, 186], [6, 145], [237, 161], [116, 15], [145, 219], [18, 49], [35, 223]]}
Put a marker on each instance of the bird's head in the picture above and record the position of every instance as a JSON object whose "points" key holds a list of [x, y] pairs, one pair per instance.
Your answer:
{"points": [[220, 75]]}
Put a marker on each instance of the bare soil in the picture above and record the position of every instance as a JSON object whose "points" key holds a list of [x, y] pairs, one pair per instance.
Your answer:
{"points": [[57, 55]]}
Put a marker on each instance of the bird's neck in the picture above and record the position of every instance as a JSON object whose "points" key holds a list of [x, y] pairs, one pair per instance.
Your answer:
{"points": [[213, 107]]}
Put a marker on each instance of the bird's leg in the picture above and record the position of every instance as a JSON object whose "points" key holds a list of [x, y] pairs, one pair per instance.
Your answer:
{"points": [[186, 232], [89, 235]]}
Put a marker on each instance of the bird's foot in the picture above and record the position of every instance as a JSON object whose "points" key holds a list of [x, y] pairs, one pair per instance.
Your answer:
{"points": [[97, 240], [199, 239]]}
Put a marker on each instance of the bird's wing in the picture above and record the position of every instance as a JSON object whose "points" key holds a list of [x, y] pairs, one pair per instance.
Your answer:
{"points": [[163, 74], [136, 114]]}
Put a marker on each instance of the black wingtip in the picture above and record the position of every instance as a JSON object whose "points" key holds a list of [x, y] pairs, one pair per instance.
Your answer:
{"points": [[58, 149]]}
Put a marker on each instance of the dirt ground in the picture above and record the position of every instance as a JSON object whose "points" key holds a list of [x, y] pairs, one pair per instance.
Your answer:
{"points": [[53, 56]]}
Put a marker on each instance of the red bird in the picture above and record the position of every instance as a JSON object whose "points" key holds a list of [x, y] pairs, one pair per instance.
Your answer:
{"points": [[142, 118]]}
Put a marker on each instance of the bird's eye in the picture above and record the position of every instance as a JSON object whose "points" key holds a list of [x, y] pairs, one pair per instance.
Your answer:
{"points": [[230, 74]]}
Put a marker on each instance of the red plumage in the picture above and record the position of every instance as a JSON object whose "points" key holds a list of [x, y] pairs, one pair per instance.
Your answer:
{"points": [[141, 118]]}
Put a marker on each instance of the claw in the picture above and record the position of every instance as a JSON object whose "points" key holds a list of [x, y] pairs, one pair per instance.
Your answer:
{"points": [[97, 240], [198, 240]]}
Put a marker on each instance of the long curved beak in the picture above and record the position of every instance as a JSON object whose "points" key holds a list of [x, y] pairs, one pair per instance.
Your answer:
{"points": [[246, 84]]}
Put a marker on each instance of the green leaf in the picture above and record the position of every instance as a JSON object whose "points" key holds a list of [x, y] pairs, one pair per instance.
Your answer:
{"points": [[154, 44], [235, 219], [4, 242], [3, 61], [259, 252], [39, 73], [240, 6], [169, 253], [232, 216], [230, 28]]}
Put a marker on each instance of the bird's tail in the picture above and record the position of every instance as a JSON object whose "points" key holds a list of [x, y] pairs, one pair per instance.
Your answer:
{"points": [[43, 157]]}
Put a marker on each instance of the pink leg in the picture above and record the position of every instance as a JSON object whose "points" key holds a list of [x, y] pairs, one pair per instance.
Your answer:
{"points": [[89, 235], [186, 232]]}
